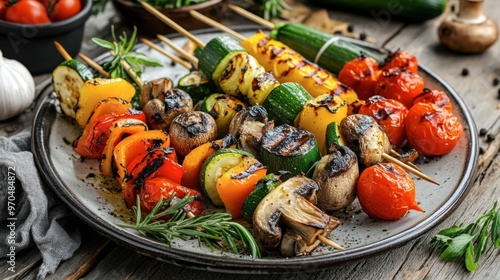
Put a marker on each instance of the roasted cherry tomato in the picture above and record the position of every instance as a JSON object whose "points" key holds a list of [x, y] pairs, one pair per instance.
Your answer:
{"points": [[360, 74], [27, 12], [385, 191], [432, 130], [401, 59], [399, 84], [390, 114], [156, 188], [3, 8], [437, 97], [62, 9]]}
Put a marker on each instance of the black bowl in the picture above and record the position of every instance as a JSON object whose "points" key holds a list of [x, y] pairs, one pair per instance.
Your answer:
{"points": [[33, 45]]}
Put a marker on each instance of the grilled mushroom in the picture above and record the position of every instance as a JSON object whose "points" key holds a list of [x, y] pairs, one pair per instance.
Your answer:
{"points": [[162, 103], [336, 174], [291, 205], [248, 126], [293, 245], [191, 129], [366, 138]]}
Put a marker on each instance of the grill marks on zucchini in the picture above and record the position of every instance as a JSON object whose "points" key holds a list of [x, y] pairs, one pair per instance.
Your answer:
{"points": [[286, 147]]}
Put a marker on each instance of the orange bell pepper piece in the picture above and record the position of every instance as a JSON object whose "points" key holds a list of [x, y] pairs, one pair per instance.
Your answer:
{"points": [[238, 182], [135, 145], [119, 129]]}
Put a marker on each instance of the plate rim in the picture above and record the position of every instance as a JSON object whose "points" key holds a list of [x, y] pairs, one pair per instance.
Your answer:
{"points": [[39, 146]]}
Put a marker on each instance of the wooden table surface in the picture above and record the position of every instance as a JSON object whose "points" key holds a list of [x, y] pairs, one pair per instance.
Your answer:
{"points": [[99, 258]]}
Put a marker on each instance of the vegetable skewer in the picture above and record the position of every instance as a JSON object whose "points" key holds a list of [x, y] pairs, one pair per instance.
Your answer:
{"points": [[165, 53], [178, 49]]}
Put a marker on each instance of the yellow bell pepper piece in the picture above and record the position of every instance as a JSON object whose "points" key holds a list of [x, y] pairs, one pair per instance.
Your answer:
{"points": [[318, 113], [98, 89]]}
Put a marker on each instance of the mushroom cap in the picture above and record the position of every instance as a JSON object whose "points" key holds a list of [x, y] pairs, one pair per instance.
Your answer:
{"points": [[191, 129]]}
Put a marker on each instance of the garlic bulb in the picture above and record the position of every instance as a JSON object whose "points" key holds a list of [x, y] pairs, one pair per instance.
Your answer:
{"points": [[17, 88]]}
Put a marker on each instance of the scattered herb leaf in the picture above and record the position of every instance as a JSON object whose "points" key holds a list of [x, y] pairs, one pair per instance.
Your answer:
{"points": [[470, 241]]}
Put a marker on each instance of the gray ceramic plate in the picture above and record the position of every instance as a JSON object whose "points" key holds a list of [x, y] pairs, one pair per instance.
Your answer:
{"points": [[96, 200]]}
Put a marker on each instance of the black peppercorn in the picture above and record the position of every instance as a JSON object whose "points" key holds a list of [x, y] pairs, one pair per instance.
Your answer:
{"points": [[350, 28], [490, 137], [482, 132], [362, 36], [496, 82], [481, 150], [465, 72], [498, 96]]}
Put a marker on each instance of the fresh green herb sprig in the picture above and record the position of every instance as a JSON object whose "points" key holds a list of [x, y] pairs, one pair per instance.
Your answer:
{"points": [[122, 47], [273, 8], [470, 240], [216, 230]]}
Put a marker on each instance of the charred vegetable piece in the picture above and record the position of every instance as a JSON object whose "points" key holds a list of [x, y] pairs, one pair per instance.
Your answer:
{"points": [[162, 103], [289, 66], [291, 205], [248, 126], [245, 77], [222, 108], [194, 160], [238, 182], [98, 89], [91, 142], [366, 138], [196, 86], [263, 188], [285, 102], [333, 136], [288, 148], [137, 144], [190, 130], [118, 130], [215, 56], [160, 163], [336, 174], [318, 113], [68, 79], [213, 168]]}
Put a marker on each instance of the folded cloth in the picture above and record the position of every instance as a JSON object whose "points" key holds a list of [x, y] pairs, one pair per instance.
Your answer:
{"points": [[32, 213]]}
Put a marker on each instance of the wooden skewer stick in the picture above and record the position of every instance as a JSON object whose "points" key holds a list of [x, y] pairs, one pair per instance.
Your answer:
{"points": [[408, 168], [178, 49], [330, 242], [171, 23], [250, 16], [167, 54], [93, 64], [62, 51], [215, 24], [130, 72]]}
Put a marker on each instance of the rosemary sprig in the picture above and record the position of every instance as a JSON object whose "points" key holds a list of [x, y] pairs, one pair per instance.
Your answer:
{"points": [[216, 230], [470, 241], [123, 49]]}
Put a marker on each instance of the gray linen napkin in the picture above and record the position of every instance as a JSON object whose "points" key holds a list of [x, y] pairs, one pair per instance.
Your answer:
{"points": [[38, 217]]}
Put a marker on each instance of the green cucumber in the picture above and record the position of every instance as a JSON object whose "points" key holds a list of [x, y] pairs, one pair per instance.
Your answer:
{"points": [[216, 55], [263, 187], [286, 148], [308, 42], [285, 102], [213, 168], [222, 107], [196, 86], [384, 11], [67, 81]]}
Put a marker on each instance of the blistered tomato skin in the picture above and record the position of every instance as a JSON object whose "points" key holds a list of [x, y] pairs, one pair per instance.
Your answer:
{"points": [[388, 113], [399, 84], [437, 97], [401, 59], [360, 74], [385, 191], [432, 130]]}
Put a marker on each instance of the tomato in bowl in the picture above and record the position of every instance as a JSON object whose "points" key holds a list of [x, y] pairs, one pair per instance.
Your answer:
{"points": [[30, 38]]}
